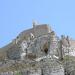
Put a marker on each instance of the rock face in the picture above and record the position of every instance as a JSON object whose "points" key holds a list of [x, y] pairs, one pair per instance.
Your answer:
{"points": [[38, 46], [51, 67], [34, 40], [39, 41], [14, 53]]}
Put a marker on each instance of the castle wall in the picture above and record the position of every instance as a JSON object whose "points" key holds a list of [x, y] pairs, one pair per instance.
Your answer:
{"points": [[36, 31], [41, 30]]}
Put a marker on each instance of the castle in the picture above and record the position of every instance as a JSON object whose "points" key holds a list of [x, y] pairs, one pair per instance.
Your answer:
{"points": [[37, 30]]}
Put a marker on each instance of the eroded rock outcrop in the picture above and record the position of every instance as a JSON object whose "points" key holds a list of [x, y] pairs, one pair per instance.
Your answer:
{"points": [[37, 47]]}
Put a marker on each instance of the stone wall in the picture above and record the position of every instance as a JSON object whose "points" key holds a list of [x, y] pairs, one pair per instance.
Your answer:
{"points": [[38, 30]]}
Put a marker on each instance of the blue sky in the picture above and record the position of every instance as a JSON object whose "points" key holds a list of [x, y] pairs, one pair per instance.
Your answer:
{"points": [[17, 15]]}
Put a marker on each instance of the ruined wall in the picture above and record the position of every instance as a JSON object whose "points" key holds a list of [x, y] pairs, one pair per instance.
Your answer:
{"points": [[41, 30], [38, 30], [72, 43]]}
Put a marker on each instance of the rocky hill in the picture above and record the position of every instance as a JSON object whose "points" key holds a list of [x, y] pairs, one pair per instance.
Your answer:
{"points": [[38, 51]]}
